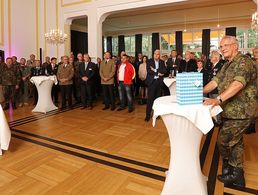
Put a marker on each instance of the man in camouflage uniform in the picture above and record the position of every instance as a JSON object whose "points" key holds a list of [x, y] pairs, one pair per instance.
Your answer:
{"points": [[10, 79], [24, 84], [251, 128], [236, 83]]}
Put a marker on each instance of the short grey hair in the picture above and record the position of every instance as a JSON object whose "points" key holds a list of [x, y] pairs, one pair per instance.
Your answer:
{"points": [[215, 54], [232, 39]]}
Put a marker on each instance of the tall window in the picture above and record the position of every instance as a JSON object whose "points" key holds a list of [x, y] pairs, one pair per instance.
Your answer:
{"points": [[216, 36], [247, 39], [167, 43], [192, 41], [147, 45], [130, 45], [115, 46], [105, 44]]}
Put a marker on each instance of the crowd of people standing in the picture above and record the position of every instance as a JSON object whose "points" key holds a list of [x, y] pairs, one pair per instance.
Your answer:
{"points": [[125, 78]]}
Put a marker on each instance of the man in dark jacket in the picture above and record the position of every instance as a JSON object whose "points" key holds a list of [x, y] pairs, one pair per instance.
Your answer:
{"points": [[156, 70], [86, 73], [188, 64]]}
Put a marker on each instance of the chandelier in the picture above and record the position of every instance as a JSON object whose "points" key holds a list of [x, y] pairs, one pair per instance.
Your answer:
{"points": [[254, 24], [55, 36]]}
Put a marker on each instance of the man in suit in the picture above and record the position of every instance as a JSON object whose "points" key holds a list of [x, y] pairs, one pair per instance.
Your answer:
{"points": [[65, 75], [77, 79], [188, 64], [213, 69], [46, 64], [137, 82], [86, 72], [107, 73], [156, 70], [51, 69], [36, 70], [173, 64]]}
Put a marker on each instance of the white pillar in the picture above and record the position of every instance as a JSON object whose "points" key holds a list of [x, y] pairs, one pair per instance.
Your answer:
{"points": [[94, 35]]}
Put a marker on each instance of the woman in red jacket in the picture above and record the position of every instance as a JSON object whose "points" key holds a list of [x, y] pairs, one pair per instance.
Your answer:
{"points": [[125, 76]]}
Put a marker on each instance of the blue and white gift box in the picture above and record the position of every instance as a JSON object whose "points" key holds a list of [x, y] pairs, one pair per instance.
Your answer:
{"points": [[189, 88]]}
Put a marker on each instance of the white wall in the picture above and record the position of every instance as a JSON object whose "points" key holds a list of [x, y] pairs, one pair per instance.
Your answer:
{"points": [[1, 25], [23, 35]]}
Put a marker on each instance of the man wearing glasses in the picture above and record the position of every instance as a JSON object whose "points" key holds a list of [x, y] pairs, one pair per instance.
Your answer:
{"points": [[236, 84]]}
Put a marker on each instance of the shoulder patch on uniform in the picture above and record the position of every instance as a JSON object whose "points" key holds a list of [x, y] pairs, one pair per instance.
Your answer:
{"points": [[243, 63]]}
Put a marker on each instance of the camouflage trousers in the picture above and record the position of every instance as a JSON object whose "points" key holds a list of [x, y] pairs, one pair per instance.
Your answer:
{"points": [[22, 94], [9, 93], [230, 141]]}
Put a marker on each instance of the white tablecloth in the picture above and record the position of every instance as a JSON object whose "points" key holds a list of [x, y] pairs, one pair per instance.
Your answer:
{"points": [[44, 86], [199, 115], [5, 133], [185, 126], [171, 84]]}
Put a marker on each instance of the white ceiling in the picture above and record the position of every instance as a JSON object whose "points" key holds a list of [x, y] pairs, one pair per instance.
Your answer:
{"points": [[192, 14]]}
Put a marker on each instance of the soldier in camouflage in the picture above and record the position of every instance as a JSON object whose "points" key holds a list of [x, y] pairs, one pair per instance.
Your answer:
{"points": [[251, 128], [24, 84], [10, 80], [236, 84]]}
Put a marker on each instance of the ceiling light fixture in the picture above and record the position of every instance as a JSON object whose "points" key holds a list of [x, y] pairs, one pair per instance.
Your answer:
{"points": [[56, 36], [218, 25], [185, 25]]}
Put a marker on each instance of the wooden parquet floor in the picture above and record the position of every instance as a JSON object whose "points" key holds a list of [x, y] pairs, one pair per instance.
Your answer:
{"points": [[100, 153]]}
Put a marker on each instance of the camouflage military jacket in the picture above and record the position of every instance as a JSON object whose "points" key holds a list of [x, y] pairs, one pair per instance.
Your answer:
{"points": [[25, 70], [242, 69], [10, 76]]}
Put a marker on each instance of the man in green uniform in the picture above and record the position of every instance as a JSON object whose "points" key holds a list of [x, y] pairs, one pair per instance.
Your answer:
{"points": [[10, 79], [24, 84], [236, 83]]}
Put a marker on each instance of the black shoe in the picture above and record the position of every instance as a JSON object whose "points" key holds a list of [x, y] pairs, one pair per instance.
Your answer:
{"points": [[6, 107], [147, 119], [105, 108], [120, 108], [235, 177], [14, 107], [141, 102], [62, 108], [113, 108], [226, 168], [130, 110]]}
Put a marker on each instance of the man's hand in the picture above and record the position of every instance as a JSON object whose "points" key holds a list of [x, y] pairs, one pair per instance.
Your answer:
{"points": [[153, 69], [213, 102], [17, 87], [105, 79], [85, 78]]}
